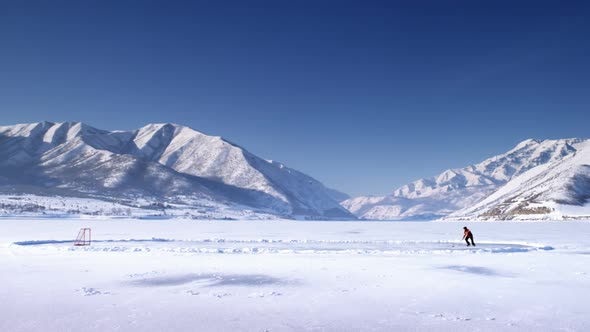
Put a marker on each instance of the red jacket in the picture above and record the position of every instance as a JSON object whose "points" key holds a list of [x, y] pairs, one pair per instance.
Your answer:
{"points": [[467, 234]]}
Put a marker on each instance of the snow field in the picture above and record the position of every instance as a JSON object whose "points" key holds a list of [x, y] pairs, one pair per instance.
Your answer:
{"points": [[312, 276]]}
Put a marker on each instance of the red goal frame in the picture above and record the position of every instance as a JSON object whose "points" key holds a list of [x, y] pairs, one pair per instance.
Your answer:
{"points": [[84, 237]]}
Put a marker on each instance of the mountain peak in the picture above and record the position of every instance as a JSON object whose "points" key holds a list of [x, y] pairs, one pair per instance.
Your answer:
{"points": [[160, 125], [172, 127], [526, 143]]}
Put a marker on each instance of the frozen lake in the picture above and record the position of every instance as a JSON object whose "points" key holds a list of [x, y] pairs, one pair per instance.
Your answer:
{"points": [[293, 276]]}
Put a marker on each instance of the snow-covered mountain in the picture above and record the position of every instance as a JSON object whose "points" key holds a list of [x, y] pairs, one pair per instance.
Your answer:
{"points": [[161, 161], [456, 189], [556, 190]]}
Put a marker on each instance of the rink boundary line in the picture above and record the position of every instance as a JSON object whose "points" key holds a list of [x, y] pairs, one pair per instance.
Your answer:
{"points": [[281, 241], [127, 245]]}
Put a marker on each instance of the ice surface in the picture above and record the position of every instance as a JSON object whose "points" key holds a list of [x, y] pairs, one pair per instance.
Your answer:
{"points": [[191, 275]]}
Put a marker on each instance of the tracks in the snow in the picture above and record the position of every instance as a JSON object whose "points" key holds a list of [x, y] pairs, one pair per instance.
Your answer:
{"points": [[287, 246]]}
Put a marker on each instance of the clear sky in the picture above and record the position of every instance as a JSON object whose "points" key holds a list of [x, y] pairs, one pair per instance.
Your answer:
{"points": [[363, 95]]}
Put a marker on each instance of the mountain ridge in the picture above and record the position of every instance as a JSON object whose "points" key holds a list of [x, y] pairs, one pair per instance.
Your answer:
{"points": [[166, 159], [556, 190], [169, 163], [454, 189]]}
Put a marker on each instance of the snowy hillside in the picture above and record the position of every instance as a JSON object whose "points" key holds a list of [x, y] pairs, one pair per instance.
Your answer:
{"points": [[154, 162], [456, 189], [556, 190]]}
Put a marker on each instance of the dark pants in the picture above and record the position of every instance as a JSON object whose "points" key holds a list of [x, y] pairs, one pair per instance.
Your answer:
{"points": [[467, 240]]}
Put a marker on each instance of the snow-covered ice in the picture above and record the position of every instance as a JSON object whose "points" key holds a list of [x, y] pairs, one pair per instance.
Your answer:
{"points": [[195, 275]]}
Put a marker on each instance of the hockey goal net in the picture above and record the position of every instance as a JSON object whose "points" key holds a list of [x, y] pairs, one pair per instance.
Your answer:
{"points": [[84, 237]]}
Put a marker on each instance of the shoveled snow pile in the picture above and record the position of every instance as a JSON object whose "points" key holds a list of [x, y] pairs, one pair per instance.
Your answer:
{"points": [[456, 189], [159, 162]]}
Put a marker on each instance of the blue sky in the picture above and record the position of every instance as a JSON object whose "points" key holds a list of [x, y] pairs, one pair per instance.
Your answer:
{"points": [[363, 95]]}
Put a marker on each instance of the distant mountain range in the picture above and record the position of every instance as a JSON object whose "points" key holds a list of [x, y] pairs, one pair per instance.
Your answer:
{"points": [[172, 170], [535, 180], [159, 163]]}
